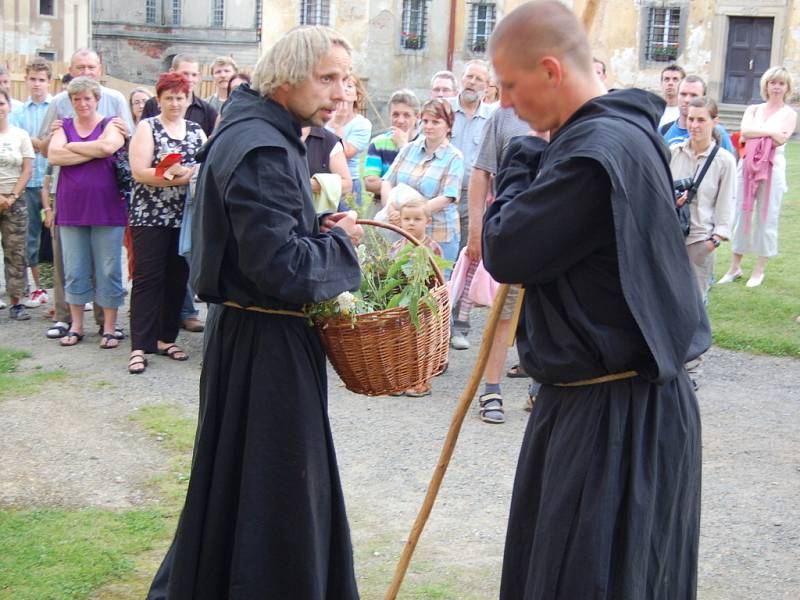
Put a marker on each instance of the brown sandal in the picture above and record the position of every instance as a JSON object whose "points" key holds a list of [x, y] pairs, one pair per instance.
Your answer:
{"points": [[133, 364], [174, 352], [109, 341]]}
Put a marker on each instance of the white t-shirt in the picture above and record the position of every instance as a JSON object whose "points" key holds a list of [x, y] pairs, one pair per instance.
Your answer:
{"points": [[671, 113], [15, 145]]}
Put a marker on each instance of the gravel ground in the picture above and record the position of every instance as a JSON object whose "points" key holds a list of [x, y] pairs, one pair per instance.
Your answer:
{"points": [[73, 444]]}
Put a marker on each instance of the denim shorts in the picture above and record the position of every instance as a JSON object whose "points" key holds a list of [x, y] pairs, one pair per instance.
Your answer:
{"points": [[93, 252]]}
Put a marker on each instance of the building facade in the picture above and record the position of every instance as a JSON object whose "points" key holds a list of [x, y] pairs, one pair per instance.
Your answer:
{"points": [[137, 40], [52, 29], [730, 43], [401, 43]]}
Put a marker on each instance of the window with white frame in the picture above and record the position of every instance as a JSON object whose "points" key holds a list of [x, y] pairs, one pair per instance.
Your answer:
{"points": [[315, 12], [218, 13], [663, 33], [414, 25], [150, 11], [177, 11], [481, 22]]}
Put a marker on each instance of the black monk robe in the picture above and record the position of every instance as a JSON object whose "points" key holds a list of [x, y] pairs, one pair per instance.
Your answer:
{"points": [[606, 500], [264, 516]]}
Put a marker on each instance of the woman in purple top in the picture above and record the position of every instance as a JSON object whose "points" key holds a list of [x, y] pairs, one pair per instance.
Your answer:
{"points": [[91, 212]]}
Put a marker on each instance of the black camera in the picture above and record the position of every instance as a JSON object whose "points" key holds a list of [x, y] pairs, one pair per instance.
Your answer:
{"points": [[680, 186]]}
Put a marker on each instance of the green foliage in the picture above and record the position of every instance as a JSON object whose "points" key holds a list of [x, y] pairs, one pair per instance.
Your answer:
{"points": [[388, 280]]}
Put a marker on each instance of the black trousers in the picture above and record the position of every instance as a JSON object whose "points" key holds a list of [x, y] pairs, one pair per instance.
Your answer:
{"points": [[159, 285]]}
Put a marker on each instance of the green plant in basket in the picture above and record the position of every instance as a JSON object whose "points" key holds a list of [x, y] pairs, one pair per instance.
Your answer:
{"points": [[390, 278]]}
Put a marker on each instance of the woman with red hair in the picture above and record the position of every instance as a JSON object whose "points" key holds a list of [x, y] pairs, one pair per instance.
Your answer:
{"points": [[156, 211]]}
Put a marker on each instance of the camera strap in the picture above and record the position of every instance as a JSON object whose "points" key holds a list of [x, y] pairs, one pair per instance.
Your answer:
{"points": [[696, 182]]}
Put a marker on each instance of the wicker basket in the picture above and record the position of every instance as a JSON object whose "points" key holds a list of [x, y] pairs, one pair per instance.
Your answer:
{"points": [[383, 352]]}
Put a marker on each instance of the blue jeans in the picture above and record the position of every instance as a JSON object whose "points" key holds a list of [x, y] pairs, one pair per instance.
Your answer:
{"points": [[188, 310], [357, 190], [33, 198], [93, 250], [449, 252]]}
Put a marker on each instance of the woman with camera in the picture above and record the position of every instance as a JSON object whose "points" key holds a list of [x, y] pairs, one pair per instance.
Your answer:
{"points": [[712, 201], [704, 176]]}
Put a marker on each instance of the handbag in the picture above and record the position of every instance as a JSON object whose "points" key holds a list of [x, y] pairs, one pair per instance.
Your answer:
{"points": [[185, 235], [482, 289], [122, 169], [684, 211], [122, 173]]}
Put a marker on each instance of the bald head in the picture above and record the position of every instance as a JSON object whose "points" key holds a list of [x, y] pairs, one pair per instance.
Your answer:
{"points": [[543, 64], [542, 28]]}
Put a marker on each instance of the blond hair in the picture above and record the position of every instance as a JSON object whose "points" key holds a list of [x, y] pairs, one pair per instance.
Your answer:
{"points": [[413, 203], [224, 61], [776, 74], [292, 59], [83, 84]]}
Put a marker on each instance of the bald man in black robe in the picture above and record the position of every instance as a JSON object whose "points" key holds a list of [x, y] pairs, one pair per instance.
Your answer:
{"points": [[606, 500]]}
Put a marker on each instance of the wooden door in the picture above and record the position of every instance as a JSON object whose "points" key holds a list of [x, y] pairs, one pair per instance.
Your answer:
{"points": [[748, 56]]}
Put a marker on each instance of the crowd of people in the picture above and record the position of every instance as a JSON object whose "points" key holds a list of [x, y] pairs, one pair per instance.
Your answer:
{"points": [[68, 150]]}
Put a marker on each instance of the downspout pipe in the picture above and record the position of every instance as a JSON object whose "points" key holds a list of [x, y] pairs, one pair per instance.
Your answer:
{"points": [[451, 36]]}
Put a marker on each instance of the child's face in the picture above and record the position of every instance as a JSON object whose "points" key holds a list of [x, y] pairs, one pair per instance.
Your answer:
{"points": [[413, 220]]}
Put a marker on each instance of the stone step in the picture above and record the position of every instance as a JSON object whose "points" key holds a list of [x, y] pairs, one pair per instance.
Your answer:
{"points": [[730, 116]]}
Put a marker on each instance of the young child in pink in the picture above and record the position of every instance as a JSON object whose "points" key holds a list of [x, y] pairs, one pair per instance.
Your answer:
{"points": [[414, 220]]}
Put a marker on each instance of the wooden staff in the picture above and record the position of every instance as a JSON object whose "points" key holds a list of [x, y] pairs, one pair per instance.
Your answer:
{"points": [[449, 442], [587, 18]]}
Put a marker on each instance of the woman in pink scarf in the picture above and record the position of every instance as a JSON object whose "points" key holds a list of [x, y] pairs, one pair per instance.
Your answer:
{"points": [[762, 175]]}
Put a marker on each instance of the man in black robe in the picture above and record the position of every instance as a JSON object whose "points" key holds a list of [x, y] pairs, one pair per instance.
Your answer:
{"points": [[606, 500], [264, 514]]}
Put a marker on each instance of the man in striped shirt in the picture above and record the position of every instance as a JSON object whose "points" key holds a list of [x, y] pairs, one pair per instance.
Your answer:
{"points": [[383, 149]]}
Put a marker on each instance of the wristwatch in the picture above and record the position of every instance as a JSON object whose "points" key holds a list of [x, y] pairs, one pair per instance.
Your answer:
{"points": [[715, 241]]}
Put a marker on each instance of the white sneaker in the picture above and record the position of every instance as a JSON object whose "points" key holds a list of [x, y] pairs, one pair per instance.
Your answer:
{"points": [[31, 303], [729, 277], [88, 306], [458, 341], [755, 281], [40, 296], [2, 305]]}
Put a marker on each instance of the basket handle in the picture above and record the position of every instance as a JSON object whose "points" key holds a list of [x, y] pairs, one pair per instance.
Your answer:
{"points": [[437, 271]]}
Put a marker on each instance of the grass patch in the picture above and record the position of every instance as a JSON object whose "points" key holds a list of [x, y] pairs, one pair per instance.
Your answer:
{"points": [[55, 554], [13, 383], [176, 433], [428, 577], [762, 319], [63, 555], [10, 359]]}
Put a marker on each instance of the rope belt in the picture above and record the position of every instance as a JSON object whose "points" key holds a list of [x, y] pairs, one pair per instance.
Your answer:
{"points": [[267, 311], [602, 379]]}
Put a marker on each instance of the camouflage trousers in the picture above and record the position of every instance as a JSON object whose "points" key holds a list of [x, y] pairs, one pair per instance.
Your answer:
{"points": [[14, 235]]}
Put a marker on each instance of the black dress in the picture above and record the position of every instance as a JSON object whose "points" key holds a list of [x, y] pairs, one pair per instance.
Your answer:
{"points": [[606, 500], [264, 514]]}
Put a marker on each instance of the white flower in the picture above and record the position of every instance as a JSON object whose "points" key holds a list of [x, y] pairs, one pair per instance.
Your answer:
{"points": [[346, 303]]}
